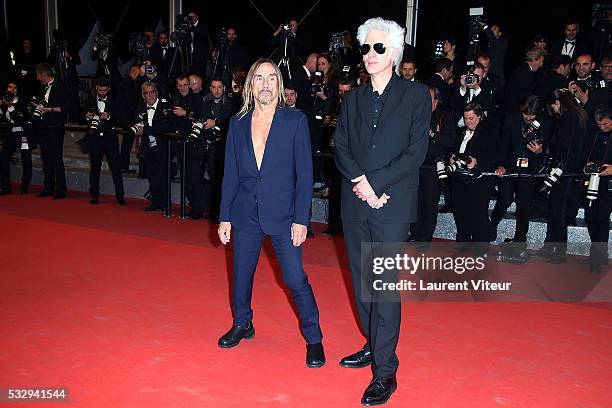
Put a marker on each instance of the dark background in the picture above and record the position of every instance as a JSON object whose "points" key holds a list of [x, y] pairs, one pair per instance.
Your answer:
{"points": [[520, 20]]}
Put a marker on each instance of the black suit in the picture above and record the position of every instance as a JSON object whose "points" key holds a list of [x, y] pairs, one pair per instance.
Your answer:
{"points": [[52, 140], [107, 66], [580, 47], [389, 156], [522, 83], [16, 136], [103, 142], [199, 49], [129, 98], [162, 57], [471, 194], [552, 81]]}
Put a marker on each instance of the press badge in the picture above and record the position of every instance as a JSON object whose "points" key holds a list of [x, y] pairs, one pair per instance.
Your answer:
{"points": [[522, 162], [24, 143], [152, 141]]}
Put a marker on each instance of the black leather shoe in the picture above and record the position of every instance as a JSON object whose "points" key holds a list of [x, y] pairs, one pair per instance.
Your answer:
{"points": [[45, 193], [315, 356], [121, 201], [152, 208], [23, 191], [194, 215], [360, 359], [59, 196], [237, 333], [379, 391], [93, 201]]}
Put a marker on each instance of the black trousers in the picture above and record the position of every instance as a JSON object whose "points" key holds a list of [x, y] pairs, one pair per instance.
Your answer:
{"points": [[598, 222], [156, 162], [565, 198], [471, 209], [214, 168], [126, 148], [429, 196], [12, 142], [379, 321], [107, 145], [194, 179], [52, 152], [520, 190], [335, 194]]}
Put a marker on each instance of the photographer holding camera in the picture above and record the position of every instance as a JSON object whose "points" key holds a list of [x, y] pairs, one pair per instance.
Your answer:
{"points": [[587, 85], [162, 53], [151, 122], [13, 120], [102, 52], [526, 135], [149, 73], [476, 150], [599, 161], [522, 82], [472, 89], [556, 77], [567, 154], [199, 44], [442, 80], [102, 115], [287, 34]]}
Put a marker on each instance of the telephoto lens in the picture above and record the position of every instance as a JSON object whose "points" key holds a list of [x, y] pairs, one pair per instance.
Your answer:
{"points": [[550, 180], [441, 170], [134, 128], [196, 130]]}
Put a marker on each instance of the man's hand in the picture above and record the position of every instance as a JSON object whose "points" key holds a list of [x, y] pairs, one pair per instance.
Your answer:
{"points": [[178, 111], [473, 163], [607, 171], [535, 147], [378, 203], [500, 171], [321, 95], [298, 234], [224, 231], [89, 115], [583, 96], [210, 123], [105, 116], [139, 130], [362, 189]]}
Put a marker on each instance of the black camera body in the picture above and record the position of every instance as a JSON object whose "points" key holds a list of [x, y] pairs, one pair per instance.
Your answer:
{"points": [[38, 104], [590, 84], [138, 47], [533, 133], [471, 78], [461, 162]]}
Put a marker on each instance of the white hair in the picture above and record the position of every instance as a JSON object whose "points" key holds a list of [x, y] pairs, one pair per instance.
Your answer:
{"points": [[395, 31]]}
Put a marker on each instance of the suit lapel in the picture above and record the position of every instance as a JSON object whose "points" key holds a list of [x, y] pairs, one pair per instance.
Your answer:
{"points": [[366, 107], [392, 103], [276, 120], [247, 121]]}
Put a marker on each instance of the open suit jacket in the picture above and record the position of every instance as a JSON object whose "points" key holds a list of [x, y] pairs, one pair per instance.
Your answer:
{"points": [[389, 156], [282, 189]]}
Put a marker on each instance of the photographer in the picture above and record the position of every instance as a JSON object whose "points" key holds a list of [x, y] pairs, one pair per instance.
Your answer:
{"points": [[25, 69], [442, 134], [493, 84], [102, 116], [15, 135], [64, 58], [567, 154], [149, 73], [557, 78], [522, 82], [129, 99], [102, 52], [51, 105], [599, 159], [588, 86], [475, 151], [442, 80], [287, 32], [498, 46], [199, 44], [162, 53], [526, 135], [470, 90], [151, 122]]}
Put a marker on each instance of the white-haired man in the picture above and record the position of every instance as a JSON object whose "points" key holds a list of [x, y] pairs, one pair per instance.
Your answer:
{"points": [[381, 141]]}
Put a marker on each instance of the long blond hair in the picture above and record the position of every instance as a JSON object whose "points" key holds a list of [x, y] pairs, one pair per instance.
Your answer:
{"points": [[248, 100]]}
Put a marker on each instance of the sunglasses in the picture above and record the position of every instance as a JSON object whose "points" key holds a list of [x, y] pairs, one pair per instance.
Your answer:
{"points": [[378, 47]]}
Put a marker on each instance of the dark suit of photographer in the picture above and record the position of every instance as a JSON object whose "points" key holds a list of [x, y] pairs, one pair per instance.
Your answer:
{"points": [[442, 135], [55, 103], [198, 45], [295, 47], [598, 212], [103, 141], [107, 64], [14, 119], [162, 54], [474, 91], [155, 118], [519, 156], [479, 141]]}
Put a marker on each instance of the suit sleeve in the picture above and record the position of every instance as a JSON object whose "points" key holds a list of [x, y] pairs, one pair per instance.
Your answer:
{"points": [[303, 170], [229, 186], [347, 165], [411, 158]]}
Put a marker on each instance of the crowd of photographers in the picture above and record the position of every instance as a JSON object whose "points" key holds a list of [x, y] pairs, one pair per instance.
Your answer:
{"points": [[544, 129]]}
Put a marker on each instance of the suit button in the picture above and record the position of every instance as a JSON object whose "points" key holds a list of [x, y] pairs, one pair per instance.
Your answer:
{"points": [[373, 146]]}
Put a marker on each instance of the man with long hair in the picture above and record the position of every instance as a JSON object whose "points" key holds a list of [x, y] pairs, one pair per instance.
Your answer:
{"points": [[267, 190]]}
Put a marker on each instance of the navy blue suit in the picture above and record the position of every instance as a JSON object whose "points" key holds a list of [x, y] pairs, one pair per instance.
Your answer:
{"points": [[267, 201]]}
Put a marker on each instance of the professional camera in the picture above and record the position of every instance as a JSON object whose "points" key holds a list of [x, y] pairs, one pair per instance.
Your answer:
{"points": [[102, 41], [337, 41], [212, 135], [590, 84], [196, 130], [551, 179], [38, 104], [317, 83], [181, 28], [593, 171], [441, 169], [461, 162], [134, 128], [286, 31], [150, 69], [471, 78], [138, 47], [532, 133], [94, 122], [437, 50]]}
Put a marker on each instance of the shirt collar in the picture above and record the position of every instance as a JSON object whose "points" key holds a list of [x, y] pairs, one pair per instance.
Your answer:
{"points": [[154, 105], [387, 87]]}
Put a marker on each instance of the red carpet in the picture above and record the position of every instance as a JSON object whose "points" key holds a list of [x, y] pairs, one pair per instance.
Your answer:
{"points": [[124, 308]]}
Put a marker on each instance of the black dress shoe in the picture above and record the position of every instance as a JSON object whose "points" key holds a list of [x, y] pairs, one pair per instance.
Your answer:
{"points": [[152, 208], [194, 215], [121, 201], [23, 191], [59, 196], [379, 391], [360, 359], [237, 333], [93, 201], [309, 232], [45, 193], [315, 356]]}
